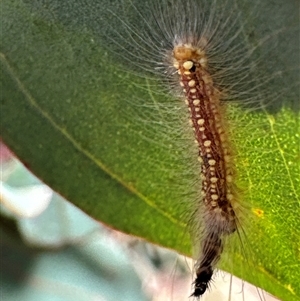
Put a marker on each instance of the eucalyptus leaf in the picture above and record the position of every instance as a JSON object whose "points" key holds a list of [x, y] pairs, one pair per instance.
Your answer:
{"points": [[68, 113]]}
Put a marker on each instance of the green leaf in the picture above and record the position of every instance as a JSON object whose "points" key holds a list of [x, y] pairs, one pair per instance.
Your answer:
{"points": [[71, 115]]}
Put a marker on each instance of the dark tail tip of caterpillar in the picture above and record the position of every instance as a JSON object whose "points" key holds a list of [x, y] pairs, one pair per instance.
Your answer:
{"points": [[211, 250], [202, 280]]}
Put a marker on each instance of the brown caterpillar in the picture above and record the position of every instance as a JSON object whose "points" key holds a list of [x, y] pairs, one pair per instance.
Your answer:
{"points": [[217, 171]]}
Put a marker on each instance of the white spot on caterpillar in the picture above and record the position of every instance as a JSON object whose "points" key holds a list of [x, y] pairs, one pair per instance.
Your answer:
{"points": [[188, 65], [214, 197], [211, 162], [207, 143], [200, 121], [191, 83], [196, 102], [214, 180]]}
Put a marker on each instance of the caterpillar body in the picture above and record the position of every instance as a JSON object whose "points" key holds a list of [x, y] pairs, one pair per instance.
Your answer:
{"points": [[217, 172]]}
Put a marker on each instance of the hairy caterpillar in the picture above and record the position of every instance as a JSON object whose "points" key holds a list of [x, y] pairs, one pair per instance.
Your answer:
{"points": [[141, 36], [199, 52], [219, 217]]}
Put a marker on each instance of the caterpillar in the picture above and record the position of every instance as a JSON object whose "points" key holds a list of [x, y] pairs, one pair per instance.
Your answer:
{"points": [[148, 39], [202, 98], [197, 52]]}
